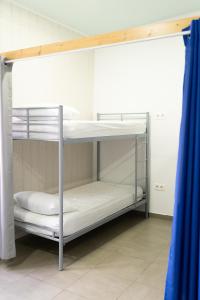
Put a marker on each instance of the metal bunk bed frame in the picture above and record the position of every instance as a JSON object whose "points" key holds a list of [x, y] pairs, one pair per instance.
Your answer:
{"points": [[59, 236]]}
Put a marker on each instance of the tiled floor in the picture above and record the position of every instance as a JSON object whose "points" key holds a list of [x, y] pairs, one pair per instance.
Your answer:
{"points": [[125, 259]]}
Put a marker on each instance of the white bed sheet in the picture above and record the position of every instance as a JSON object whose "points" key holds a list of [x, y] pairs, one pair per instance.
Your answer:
{"points": [[81, 129], [93, 201]]}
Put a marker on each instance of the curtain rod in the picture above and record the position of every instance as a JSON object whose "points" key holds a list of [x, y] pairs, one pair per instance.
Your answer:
{"points": [[182, 33]]}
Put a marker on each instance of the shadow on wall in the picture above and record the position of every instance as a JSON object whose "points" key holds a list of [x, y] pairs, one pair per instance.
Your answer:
{"points": [[118, 161], [35, 165]]}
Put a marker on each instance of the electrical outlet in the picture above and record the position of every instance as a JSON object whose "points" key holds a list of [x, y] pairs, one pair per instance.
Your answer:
{"points": [[159, 187], [160, 116]]}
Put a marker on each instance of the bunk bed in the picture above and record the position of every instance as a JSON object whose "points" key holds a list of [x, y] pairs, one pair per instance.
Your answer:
{"points": [[97, 202]]}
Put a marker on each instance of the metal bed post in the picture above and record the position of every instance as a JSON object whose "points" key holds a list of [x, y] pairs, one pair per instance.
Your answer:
{"points": [[27, 122], [61, 186], [136, 157], [147, 166], [98, 154], [98, 161]]}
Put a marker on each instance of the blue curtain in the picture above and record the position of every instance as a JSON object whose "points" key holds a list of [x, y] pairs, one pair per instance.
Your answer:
{"points": [[183, 276]]}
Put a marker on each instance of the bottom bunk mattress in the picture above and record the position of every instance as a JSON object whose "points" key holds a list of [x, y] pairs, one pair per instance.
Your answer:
{"points": [[92, 202]]}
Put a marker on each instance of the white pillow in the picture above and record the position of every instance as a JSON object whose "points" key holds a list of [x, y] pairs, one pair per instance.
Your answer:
{"points": [[41, 203], [69, 113]]}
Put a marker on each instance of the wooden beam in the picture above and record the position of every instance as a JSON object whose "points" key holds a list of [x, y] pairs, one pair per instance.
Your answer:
{"points": [[153, 30]]}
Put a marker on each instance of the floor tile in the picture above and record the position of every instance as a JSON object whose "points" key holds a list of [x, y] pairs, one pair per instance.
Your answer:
{"points": [[88, 262], [66, 295], [5, 295], [154, 295], [31, 289], [122, 265], [9, 277], [63, 279], [48, 268], [25, 264], [162, 258], [99, 285], [154, 276], [138, 291], [139, 249]]}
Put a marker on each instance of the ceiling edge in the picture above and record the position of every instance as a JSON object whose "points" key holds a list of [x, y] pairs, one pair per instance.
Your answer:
{"points": [[49, 18]]}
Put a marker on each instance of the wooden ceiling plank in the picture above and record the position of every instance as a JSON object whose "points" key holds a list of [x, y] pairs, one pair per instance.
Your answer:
{"points": [[123, 36]]}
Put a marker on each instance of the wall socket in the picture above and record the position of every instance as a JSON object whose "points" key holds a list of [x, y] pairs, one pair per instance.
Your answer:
{"points": [[159, 187], [160, 116]]}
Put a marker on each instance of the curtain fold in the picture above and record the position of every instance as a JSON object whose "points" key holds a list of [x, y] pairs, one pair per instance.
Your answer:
{"points": [[7, 236], [183, 276]]}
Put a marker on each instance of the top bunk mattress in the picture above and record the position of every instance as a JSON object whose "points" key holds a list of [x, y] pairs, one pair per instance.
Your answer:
{"points": [[94, 202], [77, 129]]}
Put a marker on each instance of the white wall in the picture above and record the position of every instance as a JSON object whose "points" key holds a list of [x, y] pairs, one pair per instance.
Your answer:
{"points": [[66, 79], [146, 76], [20, 28]]}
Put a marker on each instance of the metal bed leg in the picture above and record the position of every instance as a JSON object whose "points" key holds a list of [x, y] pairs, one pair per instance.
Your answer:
{"points": [[136, 173], [147, 167], [98, 154], [61, 187], [98, 161], [146, 210]]}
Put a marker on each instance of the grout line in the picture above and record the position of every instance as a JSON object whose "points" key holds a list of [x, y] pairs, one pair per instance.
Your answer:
{"points": [[125, 289], [57, 295]]}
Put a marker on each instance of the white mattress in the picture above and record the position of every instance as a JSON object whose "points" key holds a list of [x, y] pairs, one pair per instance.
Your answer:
{"points": [[81, 129], [93, 202]]}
